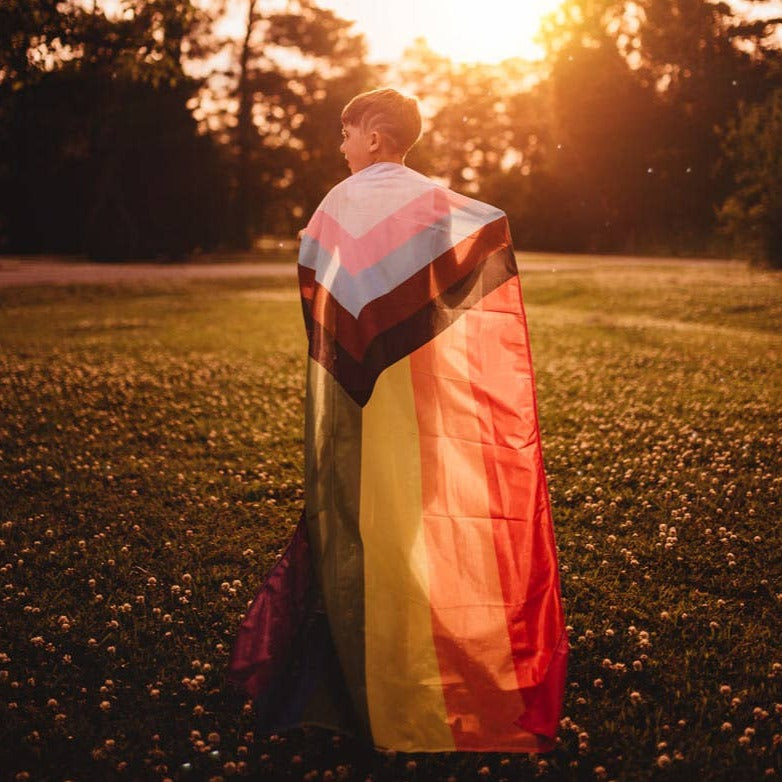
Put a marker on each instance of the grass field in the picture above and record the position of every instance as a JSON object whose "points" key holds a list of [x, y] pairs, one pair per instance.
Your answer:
{"points": [[151, 471]]}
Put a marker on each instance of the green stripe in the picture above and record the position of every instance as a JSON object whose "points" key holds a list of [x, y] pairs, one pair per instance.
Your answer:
{"points": [[333, 490]]}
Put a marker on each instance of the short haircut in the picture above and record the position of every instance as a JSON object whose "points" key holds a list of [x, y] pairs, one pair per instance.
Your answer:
{"points": [[389, 112]]}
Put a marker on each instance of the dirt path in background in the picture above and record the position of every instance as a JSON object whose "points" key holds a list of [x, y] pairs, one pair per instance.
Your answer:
{"points": [[16, 271], [51, 271]]}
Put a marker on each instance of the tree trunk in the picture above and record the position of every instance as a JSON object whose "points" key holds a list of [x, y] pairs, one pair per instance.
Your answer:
{"points": [[245, 137]]}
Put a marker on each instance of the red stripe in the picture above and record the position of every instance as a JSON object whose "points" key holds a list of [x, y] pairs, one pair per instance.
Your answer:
{"points": [[501, 527]]}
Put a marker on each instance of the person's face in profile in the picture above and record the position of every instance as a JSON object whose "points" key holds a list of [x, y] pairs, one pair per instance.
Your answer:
{"points": [[359, 147]]}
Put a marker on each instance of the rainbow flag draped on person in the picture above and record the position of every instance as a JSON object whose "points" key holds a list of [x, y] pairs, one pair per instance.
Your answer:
{"points": [[427, 524]]}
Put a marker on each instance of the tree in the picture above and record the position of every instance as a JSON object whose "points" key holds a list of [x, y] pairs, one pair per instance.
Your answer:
{"points": [[751, 216], [481, 119], [102, 154], [291, 72], [667, 73], [704, 59], [26, 27], [603, 149]]}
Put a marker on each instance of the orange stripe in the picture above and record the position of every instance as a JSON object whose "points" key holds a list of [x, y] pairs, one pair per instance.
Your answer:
{"points": [[468, 607]]}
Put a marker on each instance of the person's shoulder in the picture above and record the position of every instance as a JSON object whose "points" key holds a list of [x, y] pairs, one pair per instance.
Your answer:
{"points": [[337, 190], [378, 176], [386, 184], [456, 199]]}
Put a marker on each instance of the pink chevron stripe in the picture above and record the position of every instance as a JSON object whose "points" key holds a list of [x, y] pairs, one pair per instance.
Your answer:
{"points": [[359, 253]]}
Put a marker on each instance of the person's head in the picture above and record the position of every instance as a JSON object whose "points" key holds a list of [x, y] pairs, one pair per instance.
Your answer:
{"points": [[379, 126]]}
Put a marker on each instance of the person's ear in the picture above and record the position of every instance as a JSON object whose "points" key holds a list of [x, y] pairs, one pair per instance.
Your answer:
{"points": [[374, 141]]}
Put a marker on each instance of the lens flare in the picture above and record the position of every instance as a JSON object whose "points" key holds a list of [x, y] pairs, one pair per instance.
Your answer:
{"points": [[464, 30]]}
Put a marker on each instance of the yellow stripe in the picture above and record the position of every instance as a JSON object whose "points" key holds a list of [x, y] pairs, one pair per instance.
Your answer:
{"points": [[404, 689]]}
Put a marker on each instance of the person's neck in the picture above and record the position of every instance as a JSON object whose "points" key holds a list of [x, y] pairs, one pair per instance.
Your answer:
{"points": [[391, 158]]}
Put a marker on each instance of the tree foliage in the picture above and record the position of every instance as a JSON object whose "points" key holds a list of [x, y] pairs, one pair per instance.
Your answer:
{"points": [[752, 214], [101, 154], [638, 94], [604, 146], [290, 74], [146, 133]]}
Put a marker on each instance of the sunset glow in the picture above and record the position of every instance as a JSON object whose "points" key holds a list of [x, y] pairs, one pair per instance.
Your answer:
{"points": [[464, 30]]}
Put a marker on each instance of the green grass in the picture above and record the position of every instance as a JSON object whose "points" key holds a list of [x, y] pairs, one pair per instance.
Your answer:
{"points": [[151, 471]]}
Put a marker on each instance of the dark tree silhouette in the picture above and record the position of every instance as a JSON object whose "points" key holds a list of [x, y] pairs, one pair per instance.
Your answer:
{"points": [[655, 123], [752, 214], [102, 155], [704, 60], [644, 123], [604, 147]]}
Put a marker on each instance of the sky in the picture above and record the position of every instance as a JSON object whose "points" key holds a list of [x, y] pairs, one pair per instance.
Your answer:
{"points": [[463, 30], [486, 31], [466, 30]]}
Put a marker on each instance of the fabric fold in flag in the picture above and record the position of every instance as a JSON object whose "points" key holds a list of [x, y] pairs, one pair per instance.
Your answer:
{"points": [[428, 523]]}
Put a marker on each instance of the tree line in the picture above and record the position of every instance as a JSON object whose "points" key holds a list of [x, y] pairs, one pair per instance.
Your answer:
{"points": [[652, 126]]}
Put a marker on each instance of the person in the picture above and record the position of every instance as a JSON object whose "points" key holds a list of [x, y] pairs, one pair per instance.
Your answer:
{"points": [[379, 126], [418, 604]]}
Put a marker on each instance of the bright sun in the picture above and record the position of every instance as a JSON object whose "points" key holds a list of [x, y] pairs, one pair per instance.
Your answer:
{"points": [[486, 30], [464, 30]]}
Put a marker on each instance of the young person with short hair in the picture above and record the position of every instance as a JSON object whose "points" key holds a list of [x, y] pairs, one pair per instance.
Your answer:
{"points": [[433, 620], [379, 126]]}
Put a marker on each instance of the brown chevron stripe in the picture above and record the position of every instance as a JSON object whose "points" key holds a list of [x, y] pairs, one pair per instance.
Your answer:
{"points": [[355, 334], [358, 377]]}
